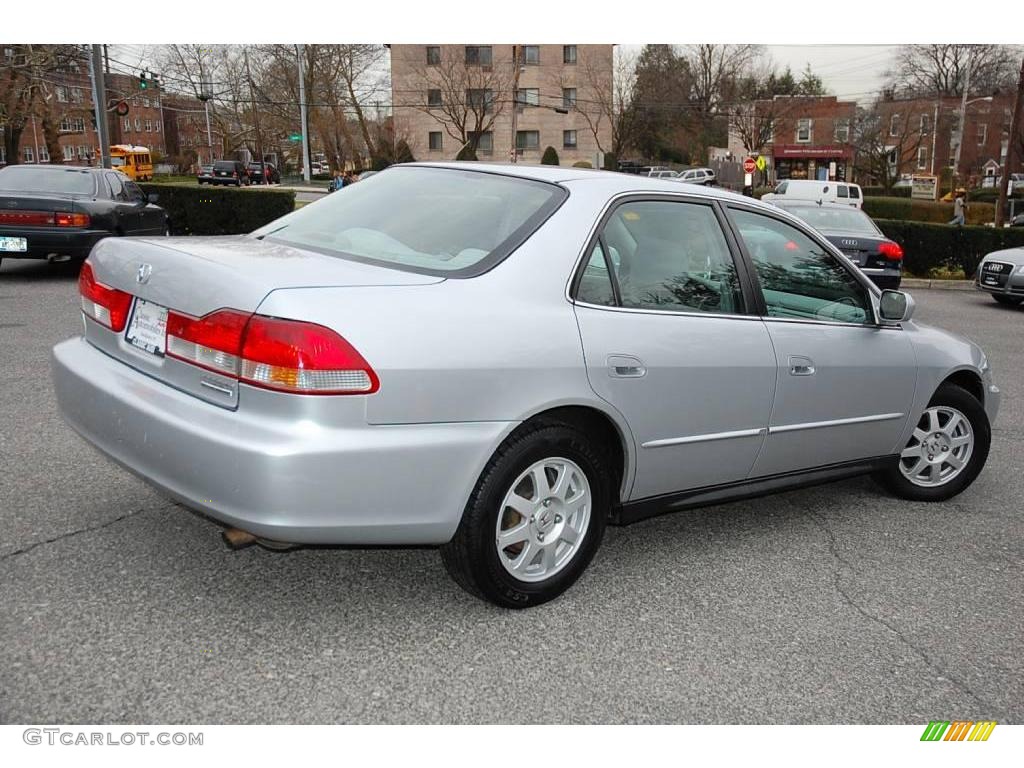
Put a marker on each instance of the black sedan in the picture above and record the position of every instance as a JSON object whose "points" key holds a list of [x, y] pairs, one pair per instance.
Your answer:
{"points": [[854, 233], [60, 212]]}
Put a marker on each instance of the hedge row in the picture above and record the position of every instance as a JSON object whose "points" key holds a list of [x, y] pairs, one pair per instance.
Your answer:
{"points": [[929, 247], [924, 210], [195, 210], [881, 192]]}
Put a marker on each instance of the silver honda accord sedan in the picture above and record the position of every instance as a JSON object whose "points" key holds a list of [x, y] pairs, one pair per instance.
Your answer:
{"points": [[501, 360]]}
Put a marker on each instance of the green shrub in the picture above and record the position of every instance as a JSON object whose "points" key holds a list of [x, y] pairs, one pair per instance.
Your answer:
{"points": [[582, 164], [550, 157], [929, 248], [206, 210], [991, 194], [758, 191], [320, 177], [880, 192], [924, 210]]}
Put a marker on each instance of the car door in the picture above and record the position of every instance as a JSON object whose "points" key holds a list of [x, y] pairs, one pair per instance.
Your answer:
{"points": [[150, 218], [844, 384], [662, 311], [127, 216]]}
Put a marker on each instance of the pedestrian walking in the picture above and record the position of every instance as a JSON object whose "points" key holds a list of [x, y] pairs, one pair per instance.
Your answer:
{"points": [[959, 209]]}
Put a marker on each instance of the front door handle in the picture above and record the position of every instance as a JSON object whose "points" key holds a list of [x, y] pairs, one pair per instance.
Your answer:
{"points": [[800, 366], [626, 367]]}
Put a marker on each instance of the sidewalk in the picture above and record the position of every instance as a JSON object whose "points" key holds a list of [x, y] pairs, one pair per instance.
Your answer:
{"points": [[945, 285]]}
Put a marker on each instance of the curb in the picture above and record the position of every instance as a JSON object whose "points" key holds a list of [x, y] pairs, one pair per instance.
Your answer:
{"points": [[944, 285]]}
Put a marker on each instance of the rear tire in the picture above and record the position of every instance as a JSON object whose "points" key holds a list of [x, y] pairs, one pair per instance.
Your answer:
{"points": [[944, 456], [1009, 301], [550, 542]]}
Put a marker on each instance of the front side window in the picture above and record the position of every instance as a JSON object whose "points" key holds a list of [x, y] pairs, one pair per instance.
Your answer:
{"points": [[435, 220], [668, 256], [800, 280]]}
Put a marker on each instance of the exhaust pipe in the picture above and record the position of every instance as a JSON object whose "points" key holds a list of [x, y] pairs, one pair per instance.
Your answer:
{"points": [[57, 258], [239, 539]]}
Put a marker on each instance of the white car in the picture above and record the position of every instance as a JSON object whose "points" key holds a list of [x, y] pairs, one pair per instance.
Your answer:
{"points": [[704, 176]]}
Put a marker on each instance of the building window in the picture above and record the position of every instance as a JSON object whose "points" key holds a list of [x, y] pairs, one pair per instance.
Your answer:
{"points": [[569, 139], [926, 125], [156, 127], [76, 95], [434, 97], [127, 123], [803, 130], [433, 55], [83, 151], [568, 54], [62, 93], [982, 134], [69, 152], [29, 155], [72, 125], [138, 125], [528, 97], [922, 158], [894, 125], [527, 140], [479, 54], [480, 97], [569, 98], [149, 126], [44, 155], [484, 142], [531, 54], [842, 131], [434, 141]]}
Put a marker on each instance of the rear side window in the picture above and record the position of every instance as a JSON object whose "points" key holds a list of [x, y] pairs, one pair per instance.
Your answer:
{"points": [[438, 221], [842, 190], [15, 178], [596, 281], [855, 193], [668, 256]]}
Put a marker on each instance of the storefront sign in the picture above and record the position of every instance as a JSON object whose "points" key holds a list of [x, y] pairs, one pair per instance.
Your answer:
{"points": [[924, 187]]}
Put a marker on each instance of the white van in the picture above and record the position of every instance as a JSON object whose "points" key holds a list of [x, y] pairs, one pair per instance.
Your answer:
{"points": [[840, 192]]}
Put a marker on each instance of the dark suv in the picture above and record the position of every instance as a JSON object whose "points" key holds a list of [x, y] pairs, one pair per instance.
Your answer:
{"points": [[230, 172], [264, 173]]}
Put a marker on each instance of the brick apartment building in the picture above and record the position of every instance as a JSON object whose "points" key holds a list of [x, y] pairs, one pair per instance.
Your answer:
{"points": [[185, 132], [807, 137], [69, 105], [928, 127], [431, 82]]}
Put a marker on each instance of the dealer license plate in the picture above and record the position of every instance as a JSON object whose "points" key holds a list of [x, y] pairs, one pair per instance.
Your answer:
{"points": [[148, 327]]}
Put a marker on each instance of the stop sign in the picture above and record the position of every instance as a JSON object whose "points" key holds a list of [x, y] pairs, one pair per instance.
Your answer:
{"points": [[749, 165]]}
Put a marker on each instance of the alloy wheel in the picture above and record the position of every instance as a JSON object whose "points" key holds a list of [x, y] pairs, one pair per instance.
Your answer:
{"points": [[939, 448]]}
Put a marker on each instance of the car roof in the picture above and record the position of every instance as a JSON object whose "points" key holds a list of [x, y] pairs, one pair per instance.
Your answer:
{"points": [[73, 168]]}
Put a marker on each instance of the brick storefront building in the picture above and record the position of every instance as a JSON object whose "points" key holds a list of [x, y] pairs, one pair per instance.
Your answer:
{"points": [[429, 80], [809, 137]]}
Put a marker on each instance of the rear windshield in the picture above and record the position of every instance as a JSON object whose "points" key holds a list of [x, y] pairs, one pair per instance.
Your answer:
{"points": [[438, 221], [826, 218], [67, 181], [224, 165]]}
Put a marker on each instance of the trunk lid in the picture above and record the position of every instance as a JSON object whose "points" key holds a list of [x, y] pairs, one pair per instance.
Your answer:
{"points": [[199, 275], [13, 205]]}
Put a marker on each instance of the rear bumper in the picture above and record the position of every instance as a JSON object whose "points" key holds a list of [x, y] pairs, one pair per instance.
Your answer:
{"points": [[280, 478], [886, 277], [43, 242]]}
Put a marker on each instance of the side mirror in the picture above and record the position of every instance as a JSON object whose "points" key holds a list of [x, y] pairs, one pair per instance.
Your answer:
{"points": [[895, 307], [152, 197]]}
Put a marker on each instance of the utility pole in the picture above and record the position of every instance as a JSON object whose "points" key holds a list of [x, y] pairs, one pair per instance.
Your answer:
{"points": [[963, 119], [1012, 142], [115, 132], [205, 94], [303, 117], [935, 131], [99, 103], [513, 155], [255, 114]]}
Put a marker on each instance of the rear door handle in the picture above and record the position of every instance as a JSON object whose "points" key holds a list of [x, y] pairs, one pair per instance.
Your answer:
{"points": [[800, 366], [626, 367]]}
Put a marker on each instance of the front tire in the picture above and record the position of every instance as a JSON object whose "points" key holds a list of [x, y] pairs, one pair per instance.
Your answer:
{"points": [[1009, 301], [535, 518], [946, 451]]}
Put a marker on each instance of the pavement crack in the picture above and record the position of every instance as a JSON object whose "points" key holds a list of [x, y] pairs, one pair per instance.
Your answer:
{"points": [[841, 563], [28, 548]]}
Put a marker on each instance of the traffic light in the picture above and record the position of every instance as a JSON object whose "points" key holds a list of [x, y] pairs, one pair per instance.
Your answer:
{"points": [[143, 83]]}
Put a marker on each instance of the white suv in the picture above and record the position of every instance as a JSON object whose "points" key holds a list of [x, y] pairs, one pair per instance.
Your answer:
{"points": [[697, 176]]}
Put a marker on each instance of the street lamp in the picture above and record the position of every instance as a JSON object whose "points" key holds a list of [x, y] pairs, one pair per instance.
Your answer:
{"points": [[963, 123]]}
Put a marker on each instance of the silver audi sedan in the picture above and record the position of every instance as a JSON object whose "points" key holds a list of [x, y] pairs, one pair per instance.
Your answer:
{"points": [[1001, 274], [501, 360]]}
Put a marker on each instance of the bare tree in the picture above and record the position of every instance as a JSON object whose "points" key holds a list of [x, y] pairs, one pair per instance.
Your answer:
{"points": [[940, 69], [468, 96], [886, 144], [717, 72]]}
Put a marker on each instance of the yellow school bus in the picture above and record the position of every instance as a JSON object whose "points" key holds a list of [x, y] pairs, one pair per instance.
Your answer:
{"points": [[134, 162]]}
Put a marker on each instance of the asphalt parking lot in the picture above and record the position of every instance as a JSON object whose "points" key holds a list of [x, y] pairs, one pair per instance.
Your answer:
{"points": [[830, 605]]}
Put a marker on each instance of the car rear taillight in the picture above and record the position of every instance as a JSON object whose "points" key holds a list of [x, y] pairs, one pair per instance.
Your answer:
{"points": [[27, 218], [213, 341], [72, 219], [891, 251], [107, 306], [285, 355]]}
